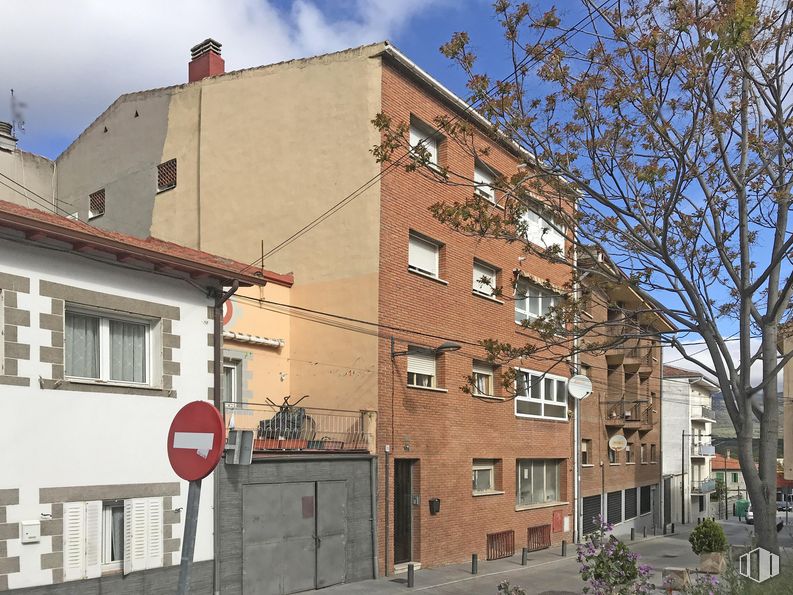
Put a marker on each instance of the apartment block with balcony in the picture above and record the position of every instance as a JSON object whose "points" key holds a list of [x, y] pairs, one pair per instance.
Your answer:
{"points": [[379, 288], [687, 448], [622, 486]]}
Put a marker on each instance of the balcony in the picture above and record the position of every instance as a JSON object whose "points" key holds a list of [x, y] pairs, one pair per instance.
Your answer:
{"points": [[625, 413], [699, 451], [701, 413], [278, 428], [704, 486]]}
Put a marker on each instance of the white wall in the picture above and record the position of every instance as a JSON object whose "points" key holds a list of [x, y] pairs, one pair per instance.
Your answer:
{"points": [[58, 438]]}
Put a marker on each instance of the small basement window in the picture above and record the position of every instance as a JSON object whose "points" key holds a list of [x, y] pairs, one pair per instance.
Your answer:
{"points": [[166, 175]]}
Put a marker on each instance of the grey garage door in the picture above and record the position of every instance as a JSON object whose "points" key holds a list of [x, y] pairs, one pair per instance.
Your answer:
{"points": [[294, 536]]}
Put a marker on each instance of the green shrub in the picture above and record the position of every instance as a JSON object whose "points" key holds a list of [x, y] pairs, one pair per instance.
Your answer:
{"points": [[708, 537]]}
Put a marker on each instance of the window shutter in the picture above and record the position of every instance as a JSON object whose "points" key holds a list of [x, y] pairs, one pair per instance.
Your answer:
{"points": [[135, 535], [154, 552], [421, 363], [73, 541], [93, 539], [481, 271], [480, 368], [423, 255], [533, 227], [484, 183]]}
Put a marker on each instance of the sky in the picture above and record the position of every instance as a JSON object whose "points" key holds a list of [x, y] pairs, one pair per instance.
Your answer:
{"points": [[68, 61]]}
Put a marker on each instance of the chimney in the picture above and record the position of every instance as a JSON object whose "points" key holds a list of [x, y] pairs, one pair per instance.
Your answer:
{"points": [[7, 140], [206, 61]]}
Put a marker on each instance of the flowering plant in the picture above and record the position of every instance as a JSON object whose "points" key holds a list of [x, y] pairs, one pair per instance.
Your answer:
{"points": [[704, 584], [610, 567]]}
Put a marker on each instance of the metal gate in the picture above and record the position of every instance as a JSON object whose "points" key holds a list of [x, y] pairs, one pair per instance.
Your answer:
{"points": [[294, 536]]}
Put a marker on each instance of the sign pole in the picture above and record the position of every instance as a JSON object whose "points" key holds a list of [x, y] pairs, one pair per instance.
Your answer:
{"points": [[188, 541]]}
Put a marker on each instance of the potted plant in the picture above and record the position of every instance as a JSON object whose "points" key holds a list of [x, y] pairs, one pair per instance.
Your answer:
{"points": [[708, 541]]}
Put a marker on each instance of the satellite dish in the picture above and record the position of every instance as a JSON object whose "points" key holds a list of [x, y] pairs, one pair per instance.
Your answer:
{"points": [[618, 442], [579, 387]]}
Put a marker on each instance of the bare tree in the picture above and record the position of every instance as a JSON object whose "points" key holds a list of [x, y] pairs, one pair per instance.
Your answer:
{"points": [[659, 132]]}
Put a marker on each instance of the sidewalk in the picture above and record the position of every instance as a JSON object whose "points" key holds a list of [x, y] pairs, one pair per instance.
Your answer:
{"points": [[547, 572]]}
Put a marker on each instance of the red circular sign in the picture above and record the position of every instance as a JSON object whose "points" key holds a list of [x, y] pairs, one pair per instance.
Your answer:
{"points": [[196, 440]]}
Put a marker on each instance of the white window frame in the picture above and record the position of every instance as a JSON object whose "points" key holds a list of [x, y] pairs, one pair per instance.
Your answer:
{"points": [[522, 476], [485, 270], [486, 371], [234, 366], [483, 465], [630, 458], [524, 377], [151, 326], [483, 182], [423, 363], [109, 565], [422, 242], [529, 294], [614, 456], [421, 133], [643, 453], [541, 232]]}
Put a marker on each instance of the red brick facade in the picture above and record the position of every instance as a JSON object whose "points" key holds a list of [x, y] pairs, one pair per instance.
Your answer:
{"points": [[626, 401], [444, 431]]}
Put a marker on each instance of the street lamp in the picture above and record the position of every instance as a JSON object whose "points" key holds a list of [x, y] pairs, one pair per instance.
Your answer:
{"points": [[442, 348]]}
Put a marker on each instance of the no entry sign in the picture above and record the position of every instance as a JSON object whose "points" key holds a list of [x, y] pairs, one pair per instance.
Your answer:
{"points": [[196, 440]]}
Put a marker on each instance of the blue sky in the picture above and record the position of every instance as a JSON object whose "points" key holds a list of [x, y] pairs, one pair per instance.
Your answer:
{"points": [[71, 60]]}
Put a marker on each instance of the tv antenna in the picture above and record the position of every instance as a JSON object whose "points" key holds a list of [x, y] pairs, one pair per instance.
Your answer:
{"points": [[17, 116]]}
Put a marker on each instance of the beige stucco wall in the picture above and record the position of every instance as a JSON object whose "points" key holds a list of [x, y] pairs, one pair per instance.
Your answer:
{"points": [[33, 172], [263, 152]]}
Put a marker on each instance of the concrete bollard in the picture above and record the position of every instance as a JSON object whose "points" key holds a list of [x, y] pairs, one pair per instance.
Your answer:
{"points": [[524, 557], [664, 528], [633, 534], [411, 575], [644, 532], [564, 548], [474, 564], [673, 528]]}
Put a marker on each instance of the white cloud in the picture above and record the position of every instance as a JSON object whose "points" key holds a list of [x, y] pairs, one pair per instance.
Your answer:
{"points": [[69, 60], [673, 357]]}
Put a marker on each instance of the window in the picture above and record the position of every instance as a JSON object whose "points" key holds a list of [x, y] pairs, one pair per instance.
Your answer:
{"points": [[166, 175], [483, 379], [720, 475], [421, 134], [423, 256], [613, 456], [642, 453], [532, 301], [112, 535], [585, 370], [483, 182], [629, 453], [652, 453], [484, 279], [120, 534], [540, 395], [483, 476], [232, 380], [107, 349], [586, 452], [538, 482], [734, 478], [541, 232], [421, 369], [96, 204]]}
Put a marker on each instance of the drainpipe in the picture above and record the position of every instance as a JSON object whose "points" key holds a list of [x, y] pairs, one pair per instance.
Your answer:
{"points": [[577, 513], [217, 370]]}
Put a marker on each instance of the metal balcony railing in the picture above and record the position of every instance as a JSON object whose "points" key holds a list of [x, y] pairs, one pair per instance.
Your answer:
{"points": [[704, 486], [703, 450], [627, 412], [279, 428], [703, 413]]}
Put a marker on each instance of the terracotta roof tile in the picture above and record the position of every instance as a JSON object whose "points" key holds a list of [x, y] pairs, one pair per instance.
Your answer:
{"points": [[149, 249]]}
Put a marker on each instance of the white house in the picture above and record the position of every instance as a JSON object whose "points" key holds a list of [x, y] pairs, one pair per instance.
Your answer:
{"points": [[104, 338], [686, 448]]}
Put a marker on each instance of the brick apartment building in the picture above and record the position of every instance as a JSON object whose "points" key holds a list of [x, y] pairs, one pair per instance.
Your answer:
{"points": [[622, 486], [234, 163]]}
